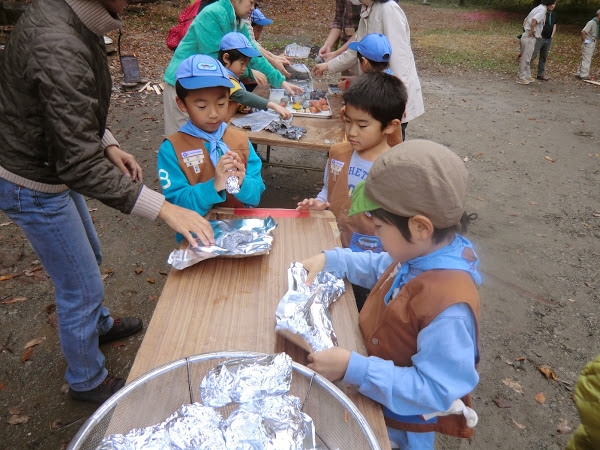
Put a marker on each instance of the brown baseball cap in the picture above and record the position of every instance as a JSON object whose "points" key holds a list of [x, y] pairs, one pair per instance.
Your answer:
{"points": [[417, 177]]}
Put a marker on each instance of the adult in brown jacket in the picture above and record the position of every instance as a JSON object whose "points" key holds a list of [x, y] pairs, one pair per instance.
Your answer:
{"points": [[55, 90]]}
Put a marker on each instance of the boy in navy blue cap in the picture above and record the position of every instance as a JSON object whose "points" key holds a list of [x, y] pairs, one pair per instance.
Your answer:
{"points": [[374, 52], [235, 52], [206, 162]]}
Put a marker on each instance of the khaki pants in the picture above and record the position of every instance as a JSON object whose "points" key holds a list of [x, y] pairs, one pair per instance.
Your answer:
{"points": [[174, 117], [587, 51], [527, 47]]}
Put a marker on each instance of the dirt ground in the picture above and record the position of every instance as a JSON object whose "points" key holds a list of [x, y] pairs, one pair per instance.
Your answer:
{"points": [[533, 155]]}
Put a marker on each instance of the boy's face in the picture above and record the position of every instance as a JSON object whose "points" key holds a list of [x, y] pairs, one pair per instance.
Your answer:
{"points": [[394, 243], [365, 65], [257, 30], [363, 131], [206, 107], [238, 67]]}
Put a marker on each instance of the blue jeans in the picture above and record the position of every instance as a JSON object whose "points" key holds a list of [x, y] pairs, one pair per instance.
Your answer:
{"points": [[407, 440], [542, 46], [62, 234]]}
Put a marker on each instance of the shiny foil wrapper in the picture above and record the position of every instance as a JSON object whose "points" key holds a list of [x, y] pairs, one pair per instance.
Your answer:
{"points": [[192, 426], [232, 185], [302, 315], [274, 423], [246, 380], [234, 238]]}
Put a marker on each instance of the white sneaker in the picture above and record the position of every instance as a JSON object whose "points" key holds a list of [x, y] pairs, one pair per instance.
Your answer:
{"points": [[522, 81]]}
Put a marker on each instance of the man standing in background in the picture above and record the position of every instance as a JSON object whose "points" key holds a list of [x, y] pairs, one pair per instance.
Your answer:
{"points": [[542, 45]]}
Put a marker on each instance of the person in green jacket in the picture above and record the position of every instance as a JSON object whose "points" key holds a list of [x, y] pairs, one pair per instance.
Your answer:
{"points": [[203, 37], [587, 399]]}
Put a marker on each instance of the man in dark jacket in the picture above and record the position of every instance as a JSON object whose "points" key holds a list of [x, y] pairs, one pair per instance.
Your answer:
{"points": [[54, 148]]}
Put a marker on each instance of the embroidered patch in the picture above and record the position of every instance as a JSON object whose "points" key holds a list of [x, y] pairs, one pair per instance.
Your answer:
{"points": [[336, 167], [193, 158]]}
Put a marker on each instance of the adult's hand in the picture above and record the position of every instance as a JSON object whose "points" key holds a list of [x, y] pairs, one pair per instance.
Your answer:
{"points": [[324, 50], [292, 88], [124, 161], [319, 69], [186, 222], [260, 78]]}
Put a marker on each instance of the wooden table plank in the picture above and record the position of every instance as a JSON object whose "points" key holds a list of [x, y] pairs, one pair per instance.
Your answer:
{"points": [[228, 304]]}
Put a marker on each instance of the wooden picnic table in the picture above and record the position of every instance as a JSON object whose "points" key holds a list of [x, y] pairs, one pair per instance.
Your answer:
{"points": [[228, 304]]}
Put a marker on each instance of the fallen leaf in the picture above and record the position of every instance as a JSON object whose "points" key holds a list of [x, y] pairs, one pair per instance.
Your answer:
{"points": [[596, 214], [480, 199], [108, 271], [562, 427], [118, 344], [65, 388], [572, 300], [10, 301], [31, 272], [35, 342], [296, 197], [92, 209], [515, 386], [4, 224], [502, 402], [150, 280], [138, 270], [585, 224], [540, 397], [521, 358], [27, 354], [164, 272], [531, 118], [153, 298], [533, 203], [56, 424], [2, 386], [514, 214], [522, 427], [15, 410], [17, 420], [548, 372], [547, 158], [6, 277], [506, 360], [104, 276]]}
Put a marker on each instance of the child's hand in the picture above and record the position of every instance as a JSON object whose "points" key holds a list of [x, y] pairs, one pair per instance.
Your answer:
{"points": [[313, 266], [344, 82], [240, 169], [226, 166], [319, 69], [281, 110], [292, 88], [260, 78], [331, 363], [312, 204]]}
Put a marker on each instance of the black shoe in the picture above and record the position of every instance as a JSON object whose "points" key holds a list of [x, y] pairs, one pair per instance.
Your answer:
{"points": [[101, 393], [121, 328]]}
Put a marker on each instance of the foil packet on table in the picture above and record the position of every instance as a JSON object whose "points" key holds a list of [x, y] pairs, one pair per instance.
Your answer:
{"points": [[285, 129], [246, 380], [302, 315], [234, 238], [257, 121]]}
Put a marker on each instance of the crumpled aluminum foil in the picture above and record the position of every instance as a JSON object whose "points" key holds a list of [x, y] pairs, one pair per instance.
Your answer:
{"points": [[302, 315], [247, 379], [274, 422], [235, 238], [232, 185], [192, 426], [286, 130]]}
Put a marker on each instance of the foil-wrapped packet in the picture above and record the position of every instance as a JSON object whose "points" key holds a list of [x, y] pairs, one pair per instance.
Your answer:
{"points": [[273, 422], [246, 379], [234, 238], [232, 185], [302, 315], [286, 130]]}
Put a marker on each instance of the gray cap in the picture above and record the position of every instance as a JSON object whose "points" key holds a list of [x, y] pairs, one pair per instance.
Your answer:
{"points": [[416, 177]]}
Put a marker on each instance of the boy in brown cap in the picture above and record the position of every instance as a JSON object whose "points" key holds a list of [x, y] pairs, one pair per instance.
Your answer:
{"points": [[420, 322]]}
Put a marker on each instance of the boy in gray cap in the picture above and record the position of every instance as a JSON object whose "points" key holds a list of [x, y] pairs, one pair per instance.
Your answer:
{"points": [[420, 322]]}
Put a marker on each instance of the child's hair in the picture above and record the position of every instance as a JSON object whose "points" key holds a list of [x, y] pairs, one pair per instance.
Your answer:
{"points": [[381, 95], [439, 234], [375, 65], [234, 55]]}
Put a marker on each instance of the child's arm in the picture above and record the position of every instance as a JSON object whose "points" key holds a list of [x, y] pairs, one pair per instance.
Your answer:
{"points": [[252, 185], [319, 203], [246, 98], [443, 370], [176, 188]]}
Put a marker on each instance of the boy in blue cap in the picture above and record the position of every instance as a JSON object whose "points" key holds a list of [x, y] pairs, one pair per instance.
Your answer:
{"points": [[258, 22], [206, 162], [374, 52], [235, 52], [420, 322]]}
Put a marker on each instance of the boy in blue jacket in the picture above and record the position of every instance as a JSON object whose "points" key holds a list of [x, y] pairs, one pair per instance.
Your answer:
{"points": [[207, 163], [420, 322]]}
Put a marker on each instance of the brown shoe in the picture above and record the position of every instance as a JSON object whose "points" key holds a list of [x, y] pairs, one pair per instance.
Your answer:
{"points": [[122, 327], [543, 78], [100, 393]]}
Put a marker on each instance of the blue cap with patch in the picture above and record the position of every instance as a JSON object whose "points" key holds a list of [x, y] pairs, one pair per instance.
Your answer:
{"points": [[239, 42], [202, 71], [375, 47], [258, 18]]}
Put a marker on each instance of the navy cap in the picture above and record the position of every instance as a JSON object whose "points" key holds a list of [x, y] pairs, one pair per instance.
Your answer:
{"points": [[202, 71], [375, 47], [259, 18], [238, 41]]}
